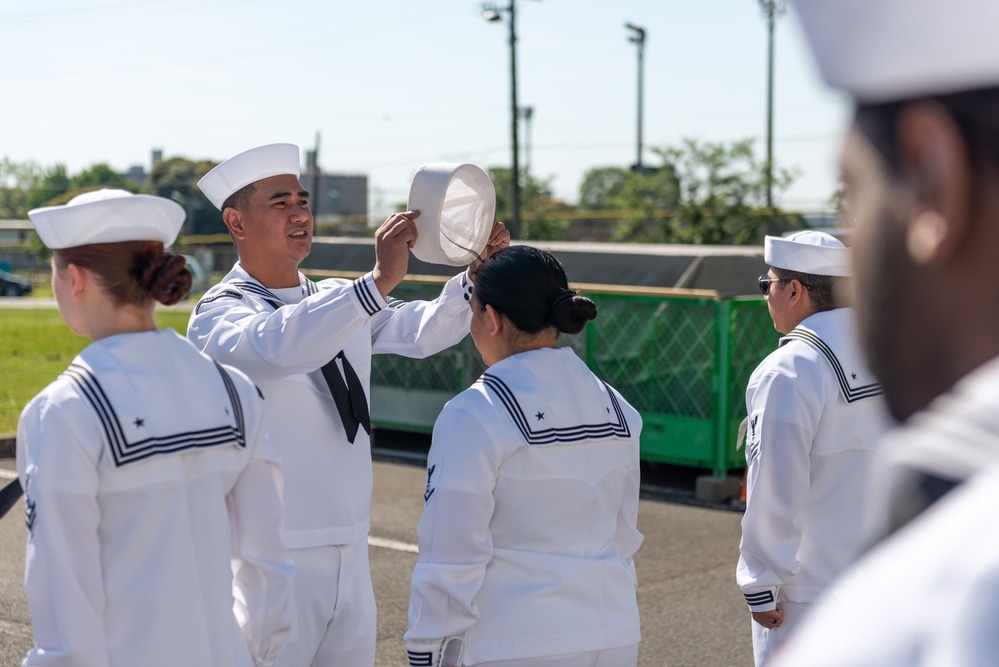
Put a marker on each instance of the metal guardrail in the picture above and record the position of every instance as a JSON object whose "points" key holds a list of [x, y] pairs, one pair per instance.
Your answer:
{"points": [[681, 357]]}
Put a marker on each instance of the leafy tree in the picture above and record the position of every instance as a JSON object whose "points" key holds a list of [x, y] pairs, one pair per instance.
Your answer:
{"points": [[541, 216], [641, 197], [722, 192], [602, 187], [702, 193], [101, 175], [176, 178], [17, 180], [56, 186], [53, 182]]}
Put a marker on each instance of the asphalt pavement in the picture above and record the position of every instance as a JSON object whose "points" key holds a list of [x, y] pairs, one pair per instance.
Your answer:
{"points": [[692, 612]]}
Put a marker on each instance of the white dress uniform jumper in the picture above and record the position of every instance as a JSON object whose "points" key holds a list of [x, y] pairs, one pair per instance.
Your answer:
{"points": [[529, 526], [946, 559], [285, 340], [153, 510], [815, 415]]}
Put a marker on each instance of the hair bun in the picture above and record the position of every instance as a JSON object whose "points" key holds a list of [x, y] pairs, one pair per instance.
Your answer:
{"points": [[571, 311], [166, 278]]}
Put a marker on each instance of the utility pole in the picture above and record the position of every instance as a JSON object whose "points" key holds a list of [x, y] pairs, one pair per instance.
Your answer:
{"points": [[771, 9], [515, 176], [314, 199], [526, 113], [638, 37], [492, 13]]}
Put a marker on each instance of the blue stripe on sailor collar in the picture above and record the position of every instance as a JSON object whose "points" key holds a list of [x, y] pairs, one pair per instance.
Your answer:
{"points": [[272, 299], [259, 290], [851, 394], [598, 430], [124, 452], [362, 290]]}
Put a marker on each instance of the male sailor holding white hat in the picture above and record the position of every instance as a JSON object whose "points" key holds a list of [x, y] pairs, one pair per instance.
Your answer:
{"points": [[815, 413], [921, 167], [309, 345]]}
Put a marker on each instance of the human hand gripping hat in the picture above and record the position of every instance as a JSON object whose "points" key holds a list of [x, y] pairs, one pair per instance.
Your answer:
{"points": [[815, 253], [457, 205], [892, 50], [249, 167], [108, 216]]}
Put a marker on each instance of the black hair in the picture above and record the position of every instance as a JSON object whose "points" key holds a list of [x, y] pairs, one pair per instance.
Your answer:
{"points": [[529, 287], [239, 199], [973, 111], [823, 291]]}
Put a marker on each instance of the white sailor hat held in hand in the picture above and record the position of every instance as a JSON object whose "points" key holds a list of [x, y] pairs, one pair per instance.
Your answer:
{"points": [[893, 50], [812, 252], [248, 167], [108, 216], [457, 205]]}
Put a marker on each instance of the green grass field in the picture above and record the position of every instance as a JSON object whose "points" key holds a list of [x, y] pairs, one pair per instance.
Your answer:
{"points": [[35, 347]]}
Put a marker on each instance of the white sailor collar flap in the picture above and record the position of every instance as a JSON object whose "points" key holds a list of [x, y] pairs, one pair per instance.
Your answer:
{"points": [[856, 382], [545, 417], [134, 430]]}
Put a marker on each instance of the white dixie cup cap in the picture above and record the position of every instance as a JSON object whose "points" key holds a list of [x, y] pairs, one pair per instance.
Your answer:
{"points": [[108, 216], [457, 205]]}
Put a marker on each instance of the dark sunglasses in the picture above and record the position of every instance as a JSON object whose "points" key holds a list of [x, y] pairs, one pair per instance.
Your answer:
{"points": [[765, 282]]}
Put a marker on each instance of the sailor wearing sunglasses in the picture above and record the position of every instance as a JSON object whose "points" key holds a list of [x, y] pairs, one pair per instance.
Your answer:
{"points": [[815, 413]]}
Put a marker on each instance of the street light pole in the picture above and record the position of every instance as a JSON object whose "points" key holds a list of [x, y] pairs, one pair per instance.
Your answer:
{"points": [[492, 13], [514, 123], [638, 37]]}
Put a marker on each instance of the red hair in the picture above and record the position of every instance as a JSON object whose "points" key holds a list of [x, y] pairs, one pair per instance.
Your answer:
{"points": [[132, 272]]}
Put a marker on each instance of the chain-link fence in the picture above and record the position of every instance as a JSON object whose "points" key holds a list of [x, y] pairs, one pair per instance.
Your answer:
{"points": [[682, 361]]}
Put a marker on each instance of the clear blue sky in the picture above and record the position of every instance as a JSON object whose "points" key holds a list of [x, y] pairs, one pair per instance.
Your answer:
{"points": [[391, 84]]}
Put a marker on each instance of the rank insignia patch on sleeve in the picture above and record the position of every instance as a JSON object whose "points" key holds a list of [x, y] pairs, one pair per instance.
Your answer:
{"points": [[430, 489]]}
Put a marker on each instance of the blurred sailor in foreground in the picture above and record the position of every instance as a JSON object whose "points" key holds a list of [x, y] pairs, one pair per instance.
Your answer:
{"points": [[815, 414], [152, 494], [921, 165]]}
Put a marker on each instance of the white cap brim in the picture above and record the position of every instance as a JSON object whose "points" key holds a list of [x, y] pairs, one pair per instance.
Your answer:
{"points": [[457, 205], [893, 50], [248, 167], [108, 216], [811, 252]]}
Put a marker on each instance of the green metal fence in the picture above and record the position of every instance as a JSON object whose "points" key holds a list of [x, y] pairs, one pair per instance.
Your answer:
{"points": [[681, 358]]}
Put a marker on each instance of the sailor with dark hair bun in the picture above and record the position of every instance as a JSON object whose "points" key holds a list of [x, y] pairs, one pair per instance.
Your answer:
{"points": [[529, 527], [152, 494]]}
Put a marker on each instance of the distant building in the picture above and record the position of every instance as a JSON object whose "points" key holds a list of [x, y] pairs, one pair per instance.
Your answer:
{"points": [[335, 195], [137, 174], [15, 232]]}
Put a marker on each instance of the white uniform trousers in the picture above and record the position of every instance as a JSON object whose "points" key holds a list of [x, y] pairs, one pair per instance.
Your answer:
{"points": [[614, 657], [335, 617], [767, 640]]}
